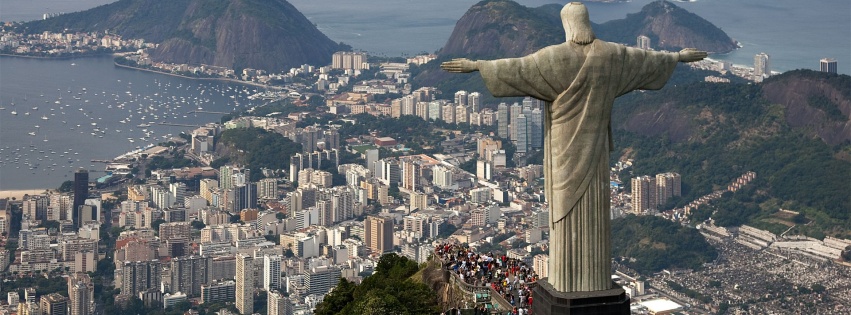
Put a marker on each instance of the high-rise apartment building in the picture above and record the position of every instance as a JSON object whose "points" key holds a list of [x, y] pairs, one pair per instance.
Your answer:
{"points": [[268, 188], [502, 121], [536, 129], [513, 111], [435, 110], [521, 127], [172, 230], [54, 304], [232, 176], [442, 176], [474, 101], [540, 263], [379, 233], [189, 273], [389, 170], [320, 280], [245, 284], [667, 185], [371, 159], [279, 304], [348, 60], [462, 114], [761, 68], [643, 42], [81, 192], [461, 98], [81, 293], [643, 194], [271, 272], [828, 65], [218, 291], [138, 276], [418, 201]]}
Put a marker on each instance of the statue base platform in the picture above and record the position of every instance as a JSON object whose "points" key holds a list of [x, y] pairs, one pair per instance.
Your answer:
{"points": [[547, 301]]}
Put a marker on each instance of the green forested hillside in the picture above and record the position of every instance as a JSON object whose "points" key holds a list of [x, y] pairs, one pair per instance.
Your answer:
{"points": [[649, 244], [255, 148], [388, 291], [712, 133]]}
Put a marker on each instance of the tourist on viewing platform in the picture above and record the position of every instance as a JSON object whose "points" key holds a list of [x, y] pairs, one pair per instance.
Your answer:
{"points": [[508, 277]]}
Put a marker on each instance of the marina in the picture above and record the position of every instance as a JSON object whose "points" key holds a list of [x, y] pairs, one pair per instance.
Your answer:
{"points": [[45, 135]]}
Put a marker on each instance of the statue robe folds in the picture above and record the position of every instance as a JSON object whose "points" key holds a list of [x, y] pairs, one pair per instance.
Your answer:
{"points": [[581, 82]]}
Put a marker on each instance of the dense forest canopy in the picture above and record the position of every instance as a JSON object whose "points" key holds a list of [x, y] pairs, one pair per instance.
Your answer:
{"points": [[650, 244]]}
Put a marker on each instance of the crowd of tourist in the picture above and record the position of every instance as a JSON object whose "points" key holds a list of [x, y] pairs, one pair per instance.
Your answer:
{"points": [[508, 277]]}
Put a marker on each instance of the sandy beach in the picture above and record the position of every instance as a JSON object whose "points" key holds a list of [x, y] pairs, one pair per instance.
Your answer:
{"points": [[19, 194]]}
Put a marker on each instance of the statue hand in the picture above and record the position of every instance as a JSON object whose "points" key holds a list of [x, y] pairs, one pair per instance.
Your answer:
{"points": [[460, 65], [691, 55]]}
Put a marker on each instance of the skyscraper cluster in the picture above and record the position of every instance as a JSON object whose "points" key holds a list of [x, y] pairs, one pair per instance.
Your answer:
{"points": [[522, 124]]}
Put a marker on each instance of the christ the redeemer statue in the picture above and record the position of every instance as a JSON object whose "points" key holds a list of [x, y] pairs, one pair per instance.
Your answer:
{"points": [[581, 77]]}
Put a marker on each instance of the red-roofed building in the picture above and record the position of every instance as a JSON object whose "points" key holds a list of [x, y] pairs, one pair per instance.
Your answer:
{"points": [[385, 141]]}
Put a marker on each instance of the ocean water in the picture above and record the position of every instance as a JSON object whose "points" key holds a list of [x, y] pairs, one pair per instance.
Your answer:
{"points": [[59, 115], [796, 34]]}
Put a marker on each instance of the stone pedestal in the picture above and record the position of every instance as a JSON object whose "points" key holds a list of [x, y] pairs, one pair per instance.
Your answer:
{"points": [[547, 301]]}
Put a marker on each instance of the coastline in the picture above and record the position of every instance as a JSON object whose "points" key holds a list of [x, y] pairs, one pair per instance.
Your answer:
{"points": [[18, 194], [58, 57], [143, 69], [202, 79]]}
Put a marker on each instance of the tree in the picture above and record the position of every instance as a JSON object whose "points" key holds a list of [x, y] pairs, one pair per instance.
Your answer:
{"points": [[198, 225], [66, 186], [388, 291], [156, 224], [393, 191], [469, 166], [335, 301]]}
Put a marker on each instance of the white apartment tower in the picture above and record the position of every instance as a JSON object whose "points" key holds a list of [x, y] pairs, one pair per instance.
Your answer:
{"points": [[514, 111], [643, 42], [245, 284], [271, 272], [461, 98], [473, 100]]}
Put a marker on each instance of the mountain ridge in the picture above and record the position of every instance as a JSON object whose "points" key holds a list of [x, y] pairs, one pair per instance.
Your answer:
{"points": [[270, 35], [711, 133], [503, 29]]}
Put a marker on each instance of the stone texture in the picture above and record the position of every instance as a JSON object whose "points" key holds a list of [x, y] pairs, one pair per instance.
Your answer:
{"points": [[548, 301]]}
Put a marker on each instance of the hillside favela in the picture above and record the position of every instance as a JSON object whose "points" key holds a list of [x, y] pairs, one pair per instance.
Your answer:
{"points": [[300, 157]]}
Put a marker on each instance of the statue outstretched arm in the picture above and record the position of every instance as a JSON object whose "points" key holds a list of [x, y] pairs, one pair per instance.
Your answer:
{"points": [[691, 55], [460, 65]]}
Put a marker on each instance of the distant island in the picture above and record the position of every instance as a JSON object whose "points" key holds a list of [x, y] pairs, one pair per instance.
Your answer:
{"points": [[236, 34]]}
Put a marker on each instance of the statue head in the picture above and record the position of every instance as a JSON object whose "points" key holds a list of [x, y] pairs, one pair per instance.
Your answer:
{"points": [[577, 24]]}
